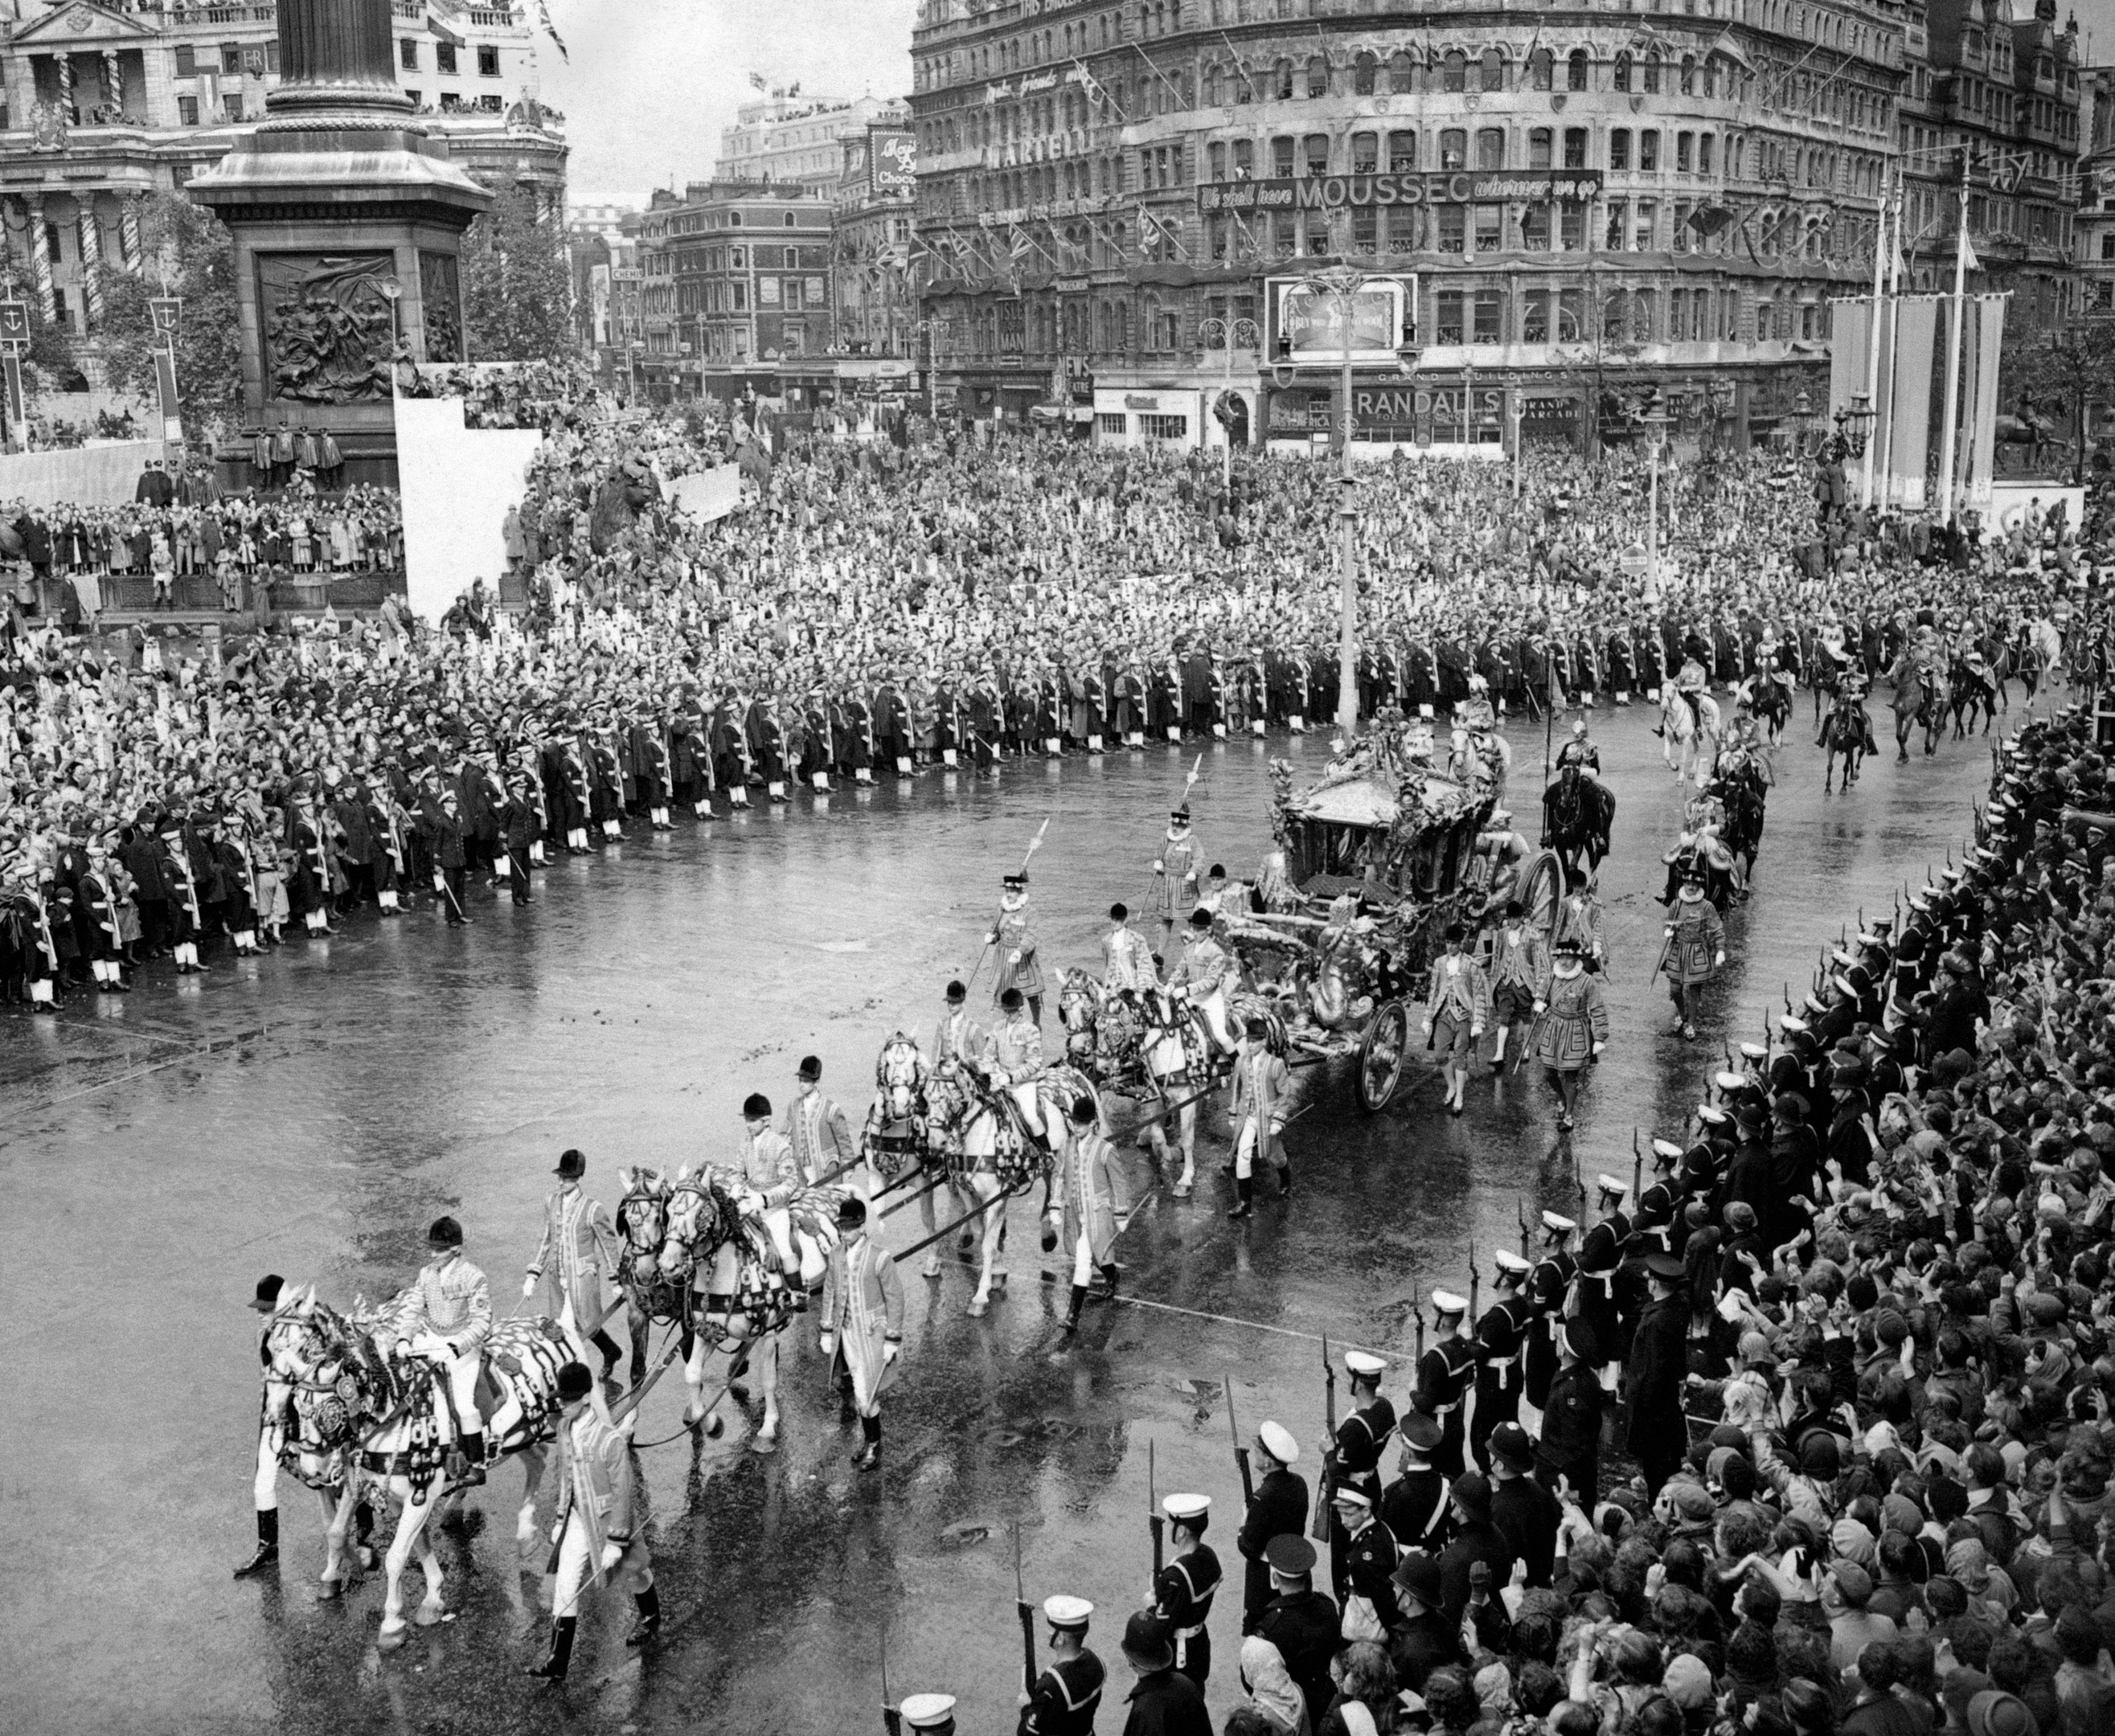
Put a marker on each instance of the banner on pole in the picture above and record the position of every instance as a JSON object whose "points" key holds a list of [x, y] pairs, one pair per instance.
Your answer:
{"points": [[1849, 344], [1909, 414], [165, 383], [1986, 333]]}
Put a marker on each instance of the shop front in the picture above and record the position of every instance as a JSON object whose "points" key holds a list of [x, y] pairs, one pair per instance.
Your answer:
{"points": [[1161, 416]]}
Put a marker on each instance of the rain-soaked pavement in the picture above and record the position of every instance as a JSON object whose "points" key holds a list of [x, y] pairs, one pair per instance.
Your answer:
{"points": [[311, 1114]]}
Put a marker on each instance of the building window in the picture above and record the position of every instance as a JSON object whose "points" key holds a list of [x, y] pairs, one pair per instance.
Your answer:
{"points": [[1365, 153], [187, 110], [407, 55], [1681, 231], [59, 307], [1689, 75], [1644, 326], [1401, 229], [1453, 148], [1454, 71], [1281, 158], [1489, 314], [1366, 230], [1450, 310], [186, 61], [444, 57], [1538, 147], [1534, 317], [231, 59], [1110, 423], [1619, 225], [1616, 318], [1493, 69], [1575, 71], [1491, 147], [1317, 233], [1364, 74], [1571, 226], [1403, 73], [1619, 149], [1652, 74], [1684, 152], [1541, 69], [489, 103], [1215, 157], [1534, 228], [1163, 428], [1649, 151], [1317, 153], [232, 105], [1647, 231], [1703, 154], [2107, 245], [1575, 147], [1490, 228], [1402, 153], [1453, 228], [487, 60]]}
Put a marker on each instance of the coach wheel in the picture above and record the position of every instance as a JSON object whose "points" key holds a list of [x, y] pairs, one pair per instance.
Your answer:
{"points": [[1541, 891], [1380, 1055]]}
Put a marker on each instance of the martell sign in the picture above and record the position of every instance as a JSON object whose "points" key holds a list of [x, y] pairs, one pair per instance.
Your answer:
{"points": [[1460, 187]]}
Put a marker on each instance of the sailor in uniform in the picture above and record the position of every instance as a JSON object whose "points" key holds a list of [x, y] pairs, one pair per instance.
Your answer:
{"points": [[1444, 1374], [1500, 1344], [1183, 1589], [1547, 1291], [1353, 1459], [1069, 1688], [930, 1715], [1414, 1506], [1277, 1506], [1600, 1257]]}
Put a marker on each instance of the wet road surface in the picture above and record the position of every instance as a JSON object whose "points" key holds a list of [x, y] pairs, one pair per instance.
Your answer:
{"points": [[310, 1113]]}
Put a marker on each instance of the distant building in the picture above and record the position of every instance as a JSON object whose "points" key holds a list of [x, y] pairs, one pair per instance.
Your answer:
{"points": [[100, 105], [734, 279], [784, 137], [876, 292], [601, 243]]}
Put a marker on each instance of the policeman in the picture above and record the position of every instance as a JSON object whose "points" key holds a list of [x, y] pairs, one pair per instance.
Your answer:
{"points": [[1526, 1512], [1279, 1506], [1354, 1456], [1568, 1458], [1069, 1688], [1414, 1507], [1501, 1339], [1184, 1590], [1300, 1622], [1444, 1374]]}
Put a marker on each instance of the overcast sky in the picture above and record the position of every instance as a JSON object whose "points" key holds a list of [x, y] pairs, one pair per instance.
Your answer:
{"points": [[651, 82]]}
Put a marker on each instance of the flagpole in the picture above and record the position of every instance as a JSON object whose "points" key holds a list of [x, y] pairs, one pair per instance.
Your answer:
{"points": [[1950, 427], [1873, 358], [1894, 340]]}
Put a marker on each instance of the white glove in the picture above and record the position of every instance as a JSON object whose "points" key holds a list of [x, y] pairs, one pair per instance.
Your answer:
{"points": [[1539, 1006], [829, 1343], [611, 1554], [1158, 869], [991, 939], [1013, 957], [557, 1533], [529, 1285], [889, 1353], [1720, 960], [440, 881], [1426, 1029]]}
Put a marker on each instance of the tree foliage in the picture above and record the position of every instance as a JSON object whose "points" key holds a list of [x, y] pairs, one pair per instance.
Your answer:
{"points": [[517, 288], [190, 249]]}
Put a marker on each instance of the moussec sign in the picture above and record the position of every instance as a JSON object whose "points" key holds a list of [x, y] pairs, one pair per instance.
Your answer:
{"points": [[1459, 187]]}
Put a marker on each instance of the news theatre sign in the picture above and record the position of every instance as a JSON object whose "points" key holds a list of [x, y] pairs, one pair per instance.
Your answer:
{"points": [[1460, 187]]}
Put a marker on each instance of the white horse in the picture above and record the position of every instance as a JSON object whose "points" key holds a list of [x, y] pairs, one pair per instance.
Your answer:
{"points": [[749, 1268], [992, 1151], [1690, 737], [364, 1417]]}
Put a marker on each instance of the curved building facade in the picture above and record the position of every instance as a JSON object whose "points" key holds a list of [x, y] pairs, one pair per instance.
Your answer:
{"points": [[1586, 207]]}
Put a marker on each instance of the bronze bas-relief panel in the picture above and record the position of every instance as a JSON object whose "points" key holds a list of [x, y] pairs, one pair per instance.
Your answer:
{"points": [[326, 325]]}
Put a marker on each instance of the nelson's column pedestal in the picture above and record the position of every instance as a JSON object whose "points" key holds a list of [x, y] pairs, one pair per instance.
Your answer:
{"points": [[348, 224]]}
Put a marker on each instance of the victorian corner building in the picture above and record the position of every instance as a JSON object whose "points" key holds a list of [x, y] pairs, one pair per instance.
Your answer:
{"points": [[1591, 211], [103, 104]]}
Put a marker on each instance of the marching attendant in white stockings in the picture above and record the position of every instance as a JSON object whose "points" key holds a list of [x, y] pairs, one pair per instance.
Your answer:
{"points": [[1520, 977], [1174, 876], [1088, 1178], [1455, 1013], [579, 1252], [1262, 1084], [863, 1318], [597, 1534]]}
